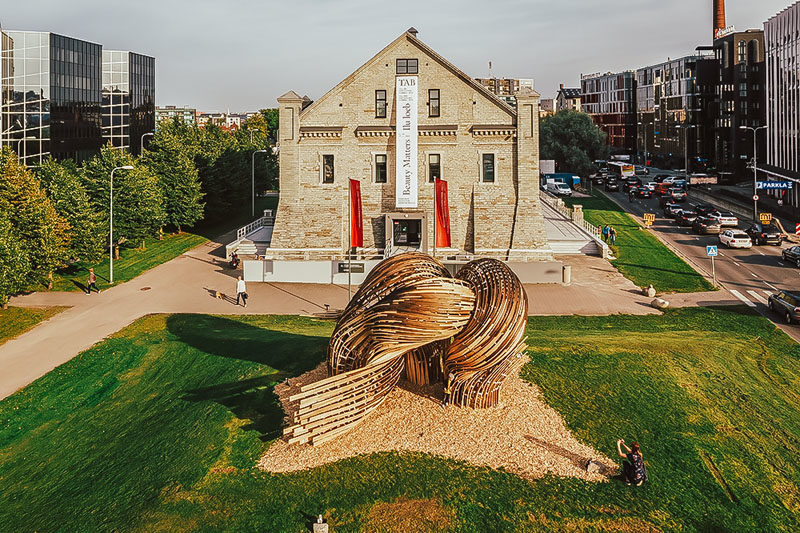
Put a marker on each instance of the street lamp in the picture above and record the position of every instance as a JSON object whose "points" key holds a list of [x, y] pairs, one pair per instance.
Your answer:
{"points": [[253, 166], [686, 148], [755, 168], [142, 142], [111, 224]]}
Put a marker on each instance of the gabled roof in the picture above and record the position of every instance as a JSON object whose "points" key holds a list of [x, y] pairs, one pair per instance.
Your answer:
{"points": [[570, 92], [411, 37]]}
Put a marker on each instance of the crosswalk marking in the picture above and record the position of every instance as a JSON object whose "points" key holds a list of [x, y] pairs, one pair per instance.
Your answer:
{"points": [[767, 293], [758, 297], [742, 298]]}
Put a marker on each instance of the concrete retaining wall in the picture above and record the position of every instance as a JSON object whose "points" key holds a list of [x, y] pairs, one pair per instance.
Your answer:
{"points": [[329, 271]]}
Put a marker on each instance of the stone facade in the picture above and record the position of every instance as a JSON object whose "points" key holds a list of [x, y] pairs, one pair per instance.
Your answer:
{"points": [[489, 219]]}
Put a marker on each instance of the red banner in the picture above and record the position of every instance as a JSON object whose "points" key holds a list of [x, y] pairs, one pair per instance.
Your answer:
{"points": [[442, 215], [356, 218]]}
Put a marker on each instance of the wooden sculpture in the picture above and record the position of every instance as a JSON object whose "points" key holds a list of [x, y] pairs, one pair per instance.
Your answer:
{"points": [[410, 317]]}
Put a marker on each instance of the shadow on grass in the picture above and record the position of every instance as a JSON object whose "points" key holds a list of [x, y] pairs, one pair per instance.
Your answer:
{"points": [[691, 274], [284, 355]]}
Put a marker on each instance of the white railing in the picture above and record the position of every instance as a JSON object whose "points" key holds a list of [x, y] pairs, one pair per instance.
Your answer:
{"points": [[568, 212], [244, 231]]}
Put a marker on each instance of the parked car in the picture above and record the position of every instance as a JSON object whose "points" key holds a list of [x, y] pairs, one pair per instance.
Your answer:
{"points": [[704, 209], [725, 218], [764, 234], [733, 238], [644, 192], [792, 255], [612, 184], [786, 304], [671, 210], [678, 195], [558, 188], [685, 217], [706, 226]]}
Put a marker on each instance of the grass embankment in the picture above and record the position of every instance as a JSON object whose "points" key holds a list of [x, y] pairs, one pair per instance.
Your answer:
{"points": [[15, 321], [135, 261], [640, 256], [159, 429]]}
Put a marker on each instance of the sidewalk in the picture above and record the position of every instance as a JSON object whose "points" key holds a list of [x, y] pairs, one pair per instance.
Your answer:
{"points": [[189, 284]]}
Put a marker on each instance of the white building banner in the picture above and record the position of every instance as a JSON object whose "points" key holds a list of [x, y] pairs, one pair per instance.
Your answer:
{"points": [[406, 143]]}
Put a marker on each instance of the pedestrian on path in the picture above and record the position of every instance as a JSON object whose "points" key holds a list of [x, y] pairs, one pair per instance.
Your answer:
{"points": [[241, 291], [612, 235], [91, 283], [605, 233]]}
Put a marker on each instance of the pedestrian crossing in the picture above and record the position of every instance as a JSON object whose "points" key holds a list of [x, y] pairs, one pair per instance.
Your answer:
{"points": [[753, 294]]}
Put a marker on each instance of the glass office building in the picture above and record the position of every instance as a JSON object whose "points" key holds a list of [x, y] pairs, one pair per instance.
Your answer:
{"points": [[51, 96], [128, 110]]}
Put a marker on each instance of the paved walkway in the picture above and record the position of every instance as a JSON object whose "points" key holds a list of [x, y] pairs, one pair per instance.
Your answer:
{"points": [[188, 284]]}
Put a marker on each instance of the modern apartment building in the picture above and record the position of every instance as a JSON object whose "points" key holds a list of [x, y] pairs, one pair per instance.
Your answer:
{"points": [[610, 99], [506, 88], [51, 96], [673, 100], [129, 88], [169, 112], [782, 40], [740, 91]]}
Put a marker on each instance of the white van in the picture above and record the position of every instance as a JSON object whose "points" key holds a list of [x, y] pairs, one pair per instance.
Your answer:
{"points": [[558, 188]]}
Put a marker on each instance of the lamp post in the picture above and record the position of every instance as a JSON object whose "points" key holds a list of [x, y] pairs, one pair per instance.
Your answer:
{"points": [[755, 168], [111, 224], [686, 149], [253, 166], [142, 141]]}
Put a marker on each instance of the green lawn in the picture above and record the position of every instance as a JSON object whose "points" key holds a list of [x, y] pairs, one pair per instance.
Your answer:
{"points": [[640, 256], [15, 321], [159, 428], [134, 261]]}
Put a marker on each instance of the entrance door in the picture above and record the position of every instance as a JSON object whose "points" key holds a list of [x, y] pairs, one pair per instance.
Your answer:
{"points": [[405, 232]]}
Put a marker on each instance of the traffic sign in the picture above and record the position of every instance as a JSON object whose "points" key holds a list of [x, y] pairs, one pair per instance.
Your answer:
{"points": [[755, 197], [649, 218], [766, 218], [711, 251], [785, 185]]}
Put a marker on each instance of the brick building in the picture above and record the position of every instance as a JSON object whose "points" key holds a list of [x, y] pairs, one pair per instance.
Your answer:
{"points": [[568, 98], [487, 151]]}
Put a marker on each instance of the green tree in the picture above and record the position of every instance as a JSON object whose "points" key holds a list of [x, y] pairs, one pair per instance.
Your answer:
{"points": [[573, 141], [180, 185], [138, 203], [62, 182], [42, 233], [271, 115], [14, 264]]}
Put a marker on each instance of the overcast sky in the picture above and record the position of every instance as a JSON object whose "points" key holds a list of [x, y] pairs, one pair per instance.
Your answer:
{"points": [[242, 54]]}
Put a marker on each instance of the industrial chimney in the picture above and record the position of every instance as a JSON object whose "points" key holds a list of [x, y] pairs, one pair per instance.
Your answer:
{"points": [[719, 16]]}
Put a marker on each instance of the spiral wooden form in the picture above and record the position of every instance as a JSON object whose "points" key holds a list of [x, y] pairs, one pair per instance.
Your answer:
{"points": [[410, 317]]}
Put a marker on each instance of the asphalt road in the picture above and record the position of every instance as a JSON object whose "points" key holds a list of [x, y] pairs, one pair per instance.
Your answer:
{"points": [[751, 275]]}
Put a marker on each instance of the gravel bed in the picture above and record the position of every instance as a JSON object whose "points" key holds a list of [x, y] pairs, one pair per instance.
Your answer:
{"points": [[522, 434]]}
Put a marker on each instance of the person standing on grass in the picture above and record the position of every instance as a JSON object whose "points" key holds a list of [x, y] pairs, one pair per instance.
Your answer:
{"points": [[605, 233], [241, 291], [633, 470], [91, 283], [612, 235]]}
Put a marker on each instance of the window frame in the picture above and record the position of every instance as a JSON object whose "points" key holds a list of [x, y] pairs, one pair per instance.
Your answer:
{"points": [[322, 169], [438, 100], [380, 111], [375, 156], [482, 177], [406, 66], [431, 178]]}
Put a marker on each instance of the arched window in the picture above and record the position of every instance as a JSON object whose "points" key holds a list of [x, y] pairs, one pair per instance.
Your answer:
{"points": [[752, 52], [741, 52]]}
